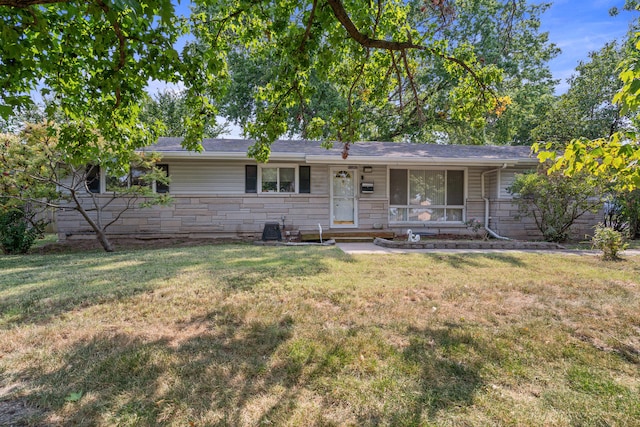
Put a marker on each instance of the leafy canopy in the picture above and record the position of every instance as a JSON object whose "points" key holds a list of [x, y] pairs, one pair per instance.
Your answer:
{"points": [[615, 158], [35, 172], [429, 103], [94, 60]]}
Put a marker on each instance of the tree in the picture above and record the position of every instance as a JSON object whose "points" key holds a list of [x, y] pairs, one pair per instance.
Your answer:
{"points": [[587, 110], [92, 60], [36, 170], [615, 158], [555, 201], [97, 57], [507, 34], [168, 110], [425, 105]]}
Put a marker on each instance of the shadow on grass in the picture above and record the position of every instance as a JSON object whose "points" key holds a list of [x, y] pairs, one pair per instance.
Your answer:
{"points": [[37, 288], [248, 373], [235, 373], [126, 381], [476, 259], [450, 361]]}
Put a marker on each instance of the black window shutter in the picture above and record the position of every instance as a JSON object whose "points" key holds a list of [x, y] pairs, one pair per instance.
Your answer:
{"points": [[160, 186], [305, 179], [251, 179], [93, 178]]}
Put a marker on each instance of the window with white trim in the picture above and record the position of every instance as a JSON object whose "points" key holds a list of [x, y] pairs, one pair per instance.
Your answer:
{"points": [[98, 179], [134, 178], [426, 195], [278, 179]]}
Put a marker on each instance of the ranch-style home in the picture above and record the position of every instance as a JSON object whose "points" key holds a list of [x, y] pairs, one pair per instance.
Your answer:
{"points": [[430, 189]]}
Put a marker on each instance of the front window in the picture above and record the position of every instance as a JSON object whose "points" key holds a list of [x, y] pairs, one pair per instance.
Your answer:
{"points": [[134, 178], [426, 195], [278, 179], [99, 180]]}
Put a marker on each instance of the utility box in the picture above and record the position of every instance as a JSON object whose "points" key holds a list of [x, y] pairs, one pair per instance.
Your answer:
{"points": [[366, 187], [271, 231]]}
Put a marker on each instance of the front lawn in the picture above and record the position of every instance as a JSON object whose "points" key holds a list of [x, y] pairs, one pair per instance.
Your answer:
{"points": [[245, 335]]}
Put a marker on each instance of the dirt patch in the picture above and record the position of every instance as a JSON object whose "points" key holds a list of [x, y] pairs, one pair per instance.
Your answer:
{"points": [[82, 245], [16, 412]]}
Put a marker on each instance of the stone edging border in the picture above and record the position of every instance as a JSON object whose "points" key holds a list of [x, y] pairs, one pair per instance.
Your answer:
{"points": [[467, 244]]}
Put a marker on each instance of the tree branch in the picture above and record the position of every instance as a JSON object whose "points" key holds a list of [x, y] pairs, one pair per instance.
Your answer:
{"points": [[341, 14], [413, 87], [23, 4], [307, 32], [365, 41]]}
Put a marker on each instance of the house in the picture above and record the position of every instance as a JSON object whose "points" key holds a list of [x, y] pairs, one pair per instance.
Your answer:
{"points": [[430, 189]]}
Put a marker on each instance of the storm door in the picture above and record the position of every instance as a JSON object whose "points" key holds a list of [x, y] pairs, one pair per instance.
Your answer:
{"points": [[344, 202]]}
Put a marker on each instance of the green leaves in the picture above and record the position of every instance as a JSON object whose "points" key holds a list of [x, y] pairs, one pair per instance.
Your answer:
{"points": [[555, 201], [95, 60], [343, 70], [616, 157], [74, 397]]}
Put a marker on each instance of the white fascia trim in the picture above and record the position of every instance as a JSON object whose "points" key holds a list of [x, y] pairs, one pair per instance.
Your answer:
{"points": [[168, 155], [333, 159], [390, 161]]}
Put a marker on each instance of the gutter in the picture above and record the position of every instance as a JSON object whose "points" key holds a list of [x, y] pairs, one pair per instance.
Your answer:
{"points": [[486, 204], [220, 155], [400, 161]]}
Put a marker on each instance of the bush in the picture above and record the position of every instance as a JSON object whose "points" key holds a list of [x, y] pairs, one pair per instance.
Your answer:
{"points": [[609, 241], [622, 212], [17, 234], [555, 201]]}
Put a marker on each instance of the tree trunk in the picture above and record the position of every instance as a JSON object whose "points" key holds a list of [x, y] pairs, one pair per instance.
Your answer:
{"points": [[104, 240], [100, 232]]}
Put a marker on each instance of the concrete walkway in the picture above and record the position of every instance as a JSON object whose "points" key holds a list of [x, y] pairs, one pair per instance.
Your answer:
{"points": [[370, 248]]}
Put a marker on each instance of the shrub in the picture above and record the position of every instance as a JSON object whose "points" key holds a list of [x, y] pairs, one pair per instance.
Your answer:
{"points": [[609, 241], [555, 201], [622, 212], [17, 234]]}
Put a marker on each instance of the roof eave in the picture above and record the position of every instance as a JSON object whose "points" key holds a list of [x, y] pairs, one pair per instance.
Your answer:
{"points": [[359, 160], [215, 155], [398, 161]]}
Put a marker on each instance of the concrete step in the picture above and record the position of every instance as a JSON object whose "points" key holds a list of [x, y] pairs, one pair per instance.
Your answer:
{"points": [[345, 235]]}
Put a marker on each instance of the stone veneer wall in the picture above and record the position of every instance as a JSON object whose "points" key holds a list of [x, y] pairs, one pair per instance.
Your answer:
{"points": [[373, 213], [504, 221], [244, 216], [224, 216]]}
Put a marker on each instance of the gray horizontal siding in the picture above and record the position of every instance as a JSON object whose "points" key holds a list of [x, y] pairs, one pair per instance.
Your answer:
{"points": [[219, 177], [507, 176], [206, 177], [377, 176]]}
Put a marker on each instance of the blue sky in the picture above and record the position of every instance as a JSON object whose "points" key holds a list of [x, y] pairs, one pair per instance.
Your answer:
{"points": [[578, 27]]}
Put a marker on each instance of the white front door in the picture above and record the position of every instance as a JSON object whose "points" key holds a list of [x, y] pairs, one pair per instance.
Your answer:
{"points": [[344, 202]]}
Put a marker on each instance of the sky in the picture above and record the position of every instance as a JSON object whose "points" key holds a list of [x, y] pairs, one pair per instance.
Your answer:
{"points": [[578, 27]]}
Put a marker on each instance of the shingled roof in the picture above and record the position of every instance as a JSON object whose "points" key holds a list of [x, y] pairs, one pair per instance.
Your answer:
{"points": [[361, 152]]}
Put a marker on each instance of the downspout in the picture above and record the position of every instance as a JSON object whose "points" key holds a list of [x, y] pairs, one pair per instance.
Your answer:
{"points": [[486, 204]]}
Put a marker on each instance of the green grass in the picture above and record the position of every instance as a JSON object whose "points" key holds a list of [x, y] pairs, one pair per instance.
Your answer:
{"points": [[244, 335]]}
